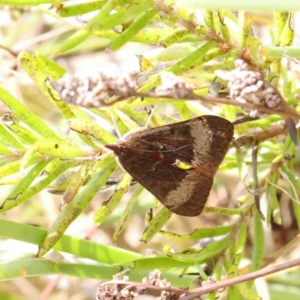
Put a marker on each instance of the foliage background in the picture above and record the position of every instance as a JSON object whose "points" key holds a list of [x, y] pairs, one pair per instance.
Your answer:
{"points": [[40, 29]]}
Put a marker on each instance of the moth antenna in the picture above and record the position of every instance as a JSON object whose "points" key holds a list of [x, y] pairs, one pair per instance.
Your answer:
{"points": [[163, 151]]}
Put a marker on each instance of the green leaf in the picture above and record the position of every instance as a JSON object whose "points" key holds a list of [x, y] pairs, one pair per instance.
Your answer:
{"points": [[99, 20], [26, 115], [26, 268], [200, 233], [77, 9], [79, 203], [125, 216], [259, 246], [109, 206], [238, 249], [79, 247], [199, 255], [50, 67], [13, 198], [156, 224], [7, 138], [88, 127], [40, 78], [133, 29]]}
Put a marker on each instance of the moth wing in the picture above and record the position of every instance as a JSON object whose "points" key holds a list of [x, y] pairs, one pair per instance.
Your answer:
{"points": [[184, 192], [151, 156], [203, 141]]}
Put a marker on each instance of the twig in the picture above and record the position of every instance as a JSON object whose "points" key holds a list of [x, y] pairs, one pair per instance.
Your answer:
{"points": [[189, 294], [286, 113], [247, 277], [258, 137]]}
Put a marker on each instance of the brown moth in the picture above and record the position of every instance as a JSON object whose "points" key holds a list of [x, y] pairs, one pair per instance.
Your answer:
{"points": [[177, 162]]}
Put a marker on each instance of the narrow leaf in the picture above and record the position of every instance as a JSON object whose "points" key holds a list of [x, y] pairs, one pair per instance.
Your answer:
{"points": [[79, 203], [156, 224]]}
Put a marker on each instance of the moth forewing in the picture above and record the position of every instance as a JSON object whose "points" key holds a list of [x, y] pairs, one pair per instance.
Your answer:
{"points": [[177, 162]]}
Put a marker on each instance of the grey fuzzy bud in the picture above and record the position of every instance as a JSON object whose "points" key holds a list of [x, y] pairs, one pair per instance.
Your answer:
{"points": [[92, 89], [247, 86]]}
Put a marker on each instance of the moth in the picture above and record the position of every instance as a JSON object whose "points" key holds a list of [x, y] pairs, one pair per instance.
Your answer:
{"points": [[177, 162]]}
